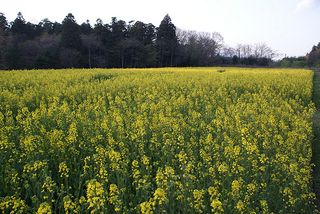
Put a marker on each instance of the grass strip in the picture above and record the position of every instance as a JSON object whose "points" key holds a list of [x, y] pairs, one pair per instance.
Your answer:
{"points": [[316, 141]]}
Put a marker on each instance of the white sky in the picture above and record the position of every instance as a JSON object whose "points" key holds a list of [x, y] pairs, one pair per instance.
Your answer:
{"points": [[288, 26]]}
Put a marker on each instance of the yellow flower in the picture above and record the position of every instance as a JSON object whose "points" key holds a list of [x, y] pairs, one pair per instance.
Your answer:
{"points": [[223, 168], [12, 204], [63, 170], [213, 192], [160, 196], [145, 160], [146, 207], [235, 186], [182, 157], [157, 140], [44, 208], [95, 195], [115, 158], [114, 197], [264, 206], [240, 206], [251, 188], [135, 163], [69, 205], [198, 196], [216, 206]]}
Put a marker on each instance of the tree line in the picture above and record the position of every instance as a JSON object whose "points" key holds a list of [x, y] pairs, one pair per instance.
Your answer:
{"points": [[118, 44], [311, 59]]}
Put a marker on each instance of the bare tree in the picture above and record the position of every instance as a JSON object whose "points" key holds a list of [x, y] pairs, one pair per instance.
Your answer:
{"points": [[200, 48], [261, 50], [228, 51]]}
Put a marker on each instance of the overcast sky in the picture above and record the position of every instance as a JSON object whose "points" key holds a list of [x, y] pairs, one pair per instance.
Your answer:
{"points": [[288, 26]]}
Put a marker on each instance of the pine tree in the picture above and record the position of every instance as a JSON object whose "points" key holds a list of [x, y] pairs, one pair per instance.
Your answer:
{"points": [[166, 42], [70, 35]]}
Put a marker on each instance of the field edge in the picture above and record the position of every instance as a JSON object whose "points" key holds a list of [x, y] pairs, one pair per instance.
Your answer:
{"points": [[316, 139]]}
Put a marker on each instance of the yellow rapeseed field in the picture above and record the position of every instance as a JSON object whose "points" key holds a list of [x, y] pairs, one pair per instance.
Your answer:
{"points": [[169, 140]]}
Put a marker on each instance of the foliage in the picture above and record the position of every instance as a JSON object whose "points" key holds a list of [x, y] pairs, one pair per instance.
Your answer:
{"points": [[70, 35], [293, 62], [166, 42], [153, 141], [313, 58], [117, 44], [316, 140]]}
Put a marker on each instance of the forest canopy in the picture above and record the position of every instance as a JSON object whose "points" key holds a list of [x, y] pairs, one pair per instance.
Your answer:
{"points": [[118, 44]]}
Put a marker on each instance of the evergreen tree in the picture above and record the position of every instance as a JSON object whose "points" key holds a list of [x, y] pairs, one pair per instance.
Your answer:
{"points": [[18, 26], [3, 37], [166, 42], [57, 28], [70, 35], [3, 23], [104, 37], [46, 26], [119, 30], [86, 28], [142, 32]]}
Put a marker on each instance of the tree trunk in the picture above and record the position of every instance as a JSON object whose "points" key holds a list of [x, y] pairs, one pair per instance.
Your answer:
{"points": [[89, 57]]}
